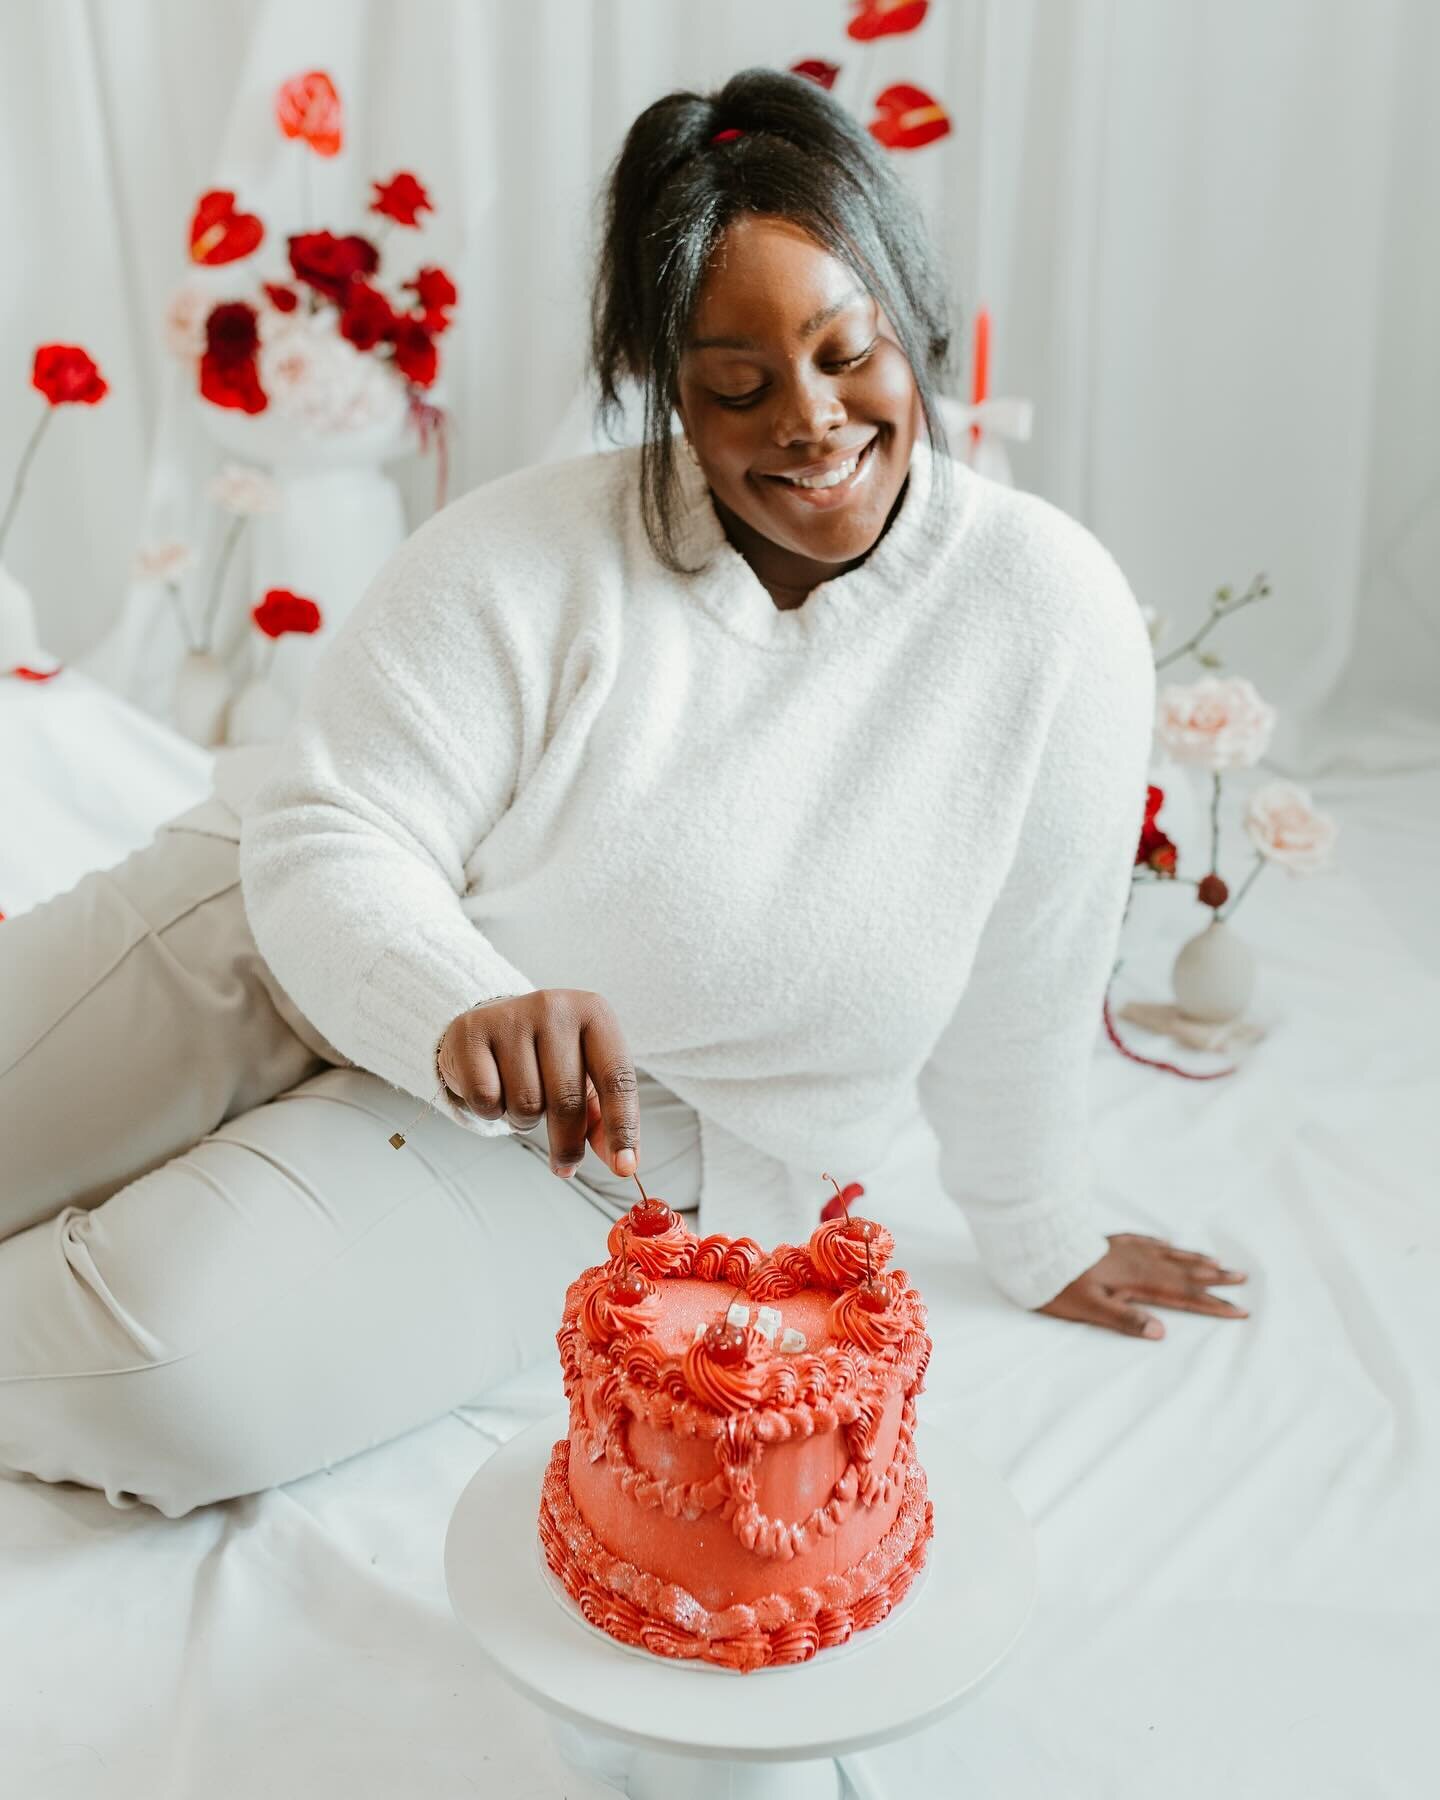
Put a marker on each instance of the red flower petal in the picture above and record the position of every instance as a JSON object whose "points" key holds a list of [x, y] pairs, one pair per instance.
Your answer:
{"points": [[281, 612], [283, 299], [415, 354], [885, 18], [815, 69], [402, 199], [35, 675], [232, 383]]}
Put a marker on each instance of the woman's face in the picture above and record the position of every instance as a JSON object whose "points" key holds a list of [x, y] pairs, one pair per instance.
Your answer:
{"points": [[792, 368]]}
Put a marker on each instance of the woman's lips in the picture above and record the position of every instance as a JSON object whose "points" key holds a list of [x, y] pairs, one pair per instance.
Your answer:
{"points": [[823, 499]]}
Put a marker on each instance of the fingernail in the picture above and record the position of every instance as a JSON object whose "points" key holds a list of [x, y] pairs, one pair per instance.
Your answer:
{"points": [[1153, 1329], [624, 1162], [565, 1170]]}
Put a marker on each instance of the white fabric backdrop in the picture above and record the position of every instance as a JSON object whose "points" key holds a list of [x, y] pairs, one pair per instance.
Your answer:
{"points": [[1207, 235]]}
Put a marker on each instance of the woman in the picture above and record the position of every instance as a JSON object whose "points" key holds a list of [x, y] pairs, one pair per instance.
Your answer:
{"points": [[687, 804]]}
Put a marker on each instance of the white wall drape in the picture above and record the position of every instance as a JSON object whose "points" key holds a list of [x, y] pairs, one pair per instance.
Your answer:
{"points": [[1207, 233]]}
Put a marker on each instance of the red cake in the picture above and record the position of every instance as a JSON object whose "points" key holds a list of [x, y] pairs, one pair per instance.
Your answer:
{"points": [[739, 1482]]}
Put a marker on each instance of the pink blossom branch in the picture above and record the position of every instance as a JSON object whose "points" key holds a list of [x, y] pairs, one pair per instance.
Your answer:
{"points": [[1221, 607], [1244, 889]]}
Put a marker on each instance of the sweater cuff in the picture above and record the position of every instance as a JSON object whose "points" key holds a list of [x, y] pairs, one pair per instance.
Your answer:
{"points": [[1032, 1253], [407, 1000]]}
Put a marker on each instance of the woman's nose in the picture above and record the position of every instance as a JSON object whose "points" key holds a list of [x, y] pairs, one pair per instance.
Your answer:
{"points": [[809, 411]]}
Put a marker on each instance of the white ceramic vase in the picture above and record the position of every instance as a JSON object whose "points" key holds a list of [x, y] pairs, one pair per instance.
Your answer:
{"points": [[339, 519], [1214, 975], [259, 714], [202, 698]]}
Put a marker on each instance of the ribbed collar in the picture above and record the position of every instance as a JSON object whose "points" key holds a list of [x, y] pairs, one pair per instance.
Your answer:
{"points": [[870, 599]]}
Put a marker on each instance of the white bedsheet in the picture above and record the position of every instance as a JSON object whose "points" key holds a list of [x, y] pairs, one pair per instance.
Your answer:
{"points": [[1237, 1527]]}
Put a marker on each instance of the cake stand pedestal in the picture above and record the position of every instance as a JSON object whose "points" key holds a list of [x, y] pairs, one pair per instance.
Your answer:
{"points": [[692, 1731]]}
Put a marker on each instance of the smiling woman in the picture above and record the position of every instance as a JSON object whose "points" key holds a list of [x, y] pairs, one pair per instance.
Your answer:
{"points": [[772, 285]]}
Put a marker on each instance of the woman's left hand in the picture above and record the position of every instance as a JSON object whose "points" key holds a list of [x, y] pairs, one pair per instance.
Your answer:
{"points": [[1137, 1267]]}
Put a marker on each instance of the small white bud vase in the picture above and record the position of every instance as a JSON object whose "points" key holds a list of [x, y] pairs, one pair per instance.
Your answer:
{"points": [[202, 698], [259, 714], [1214, 975]]}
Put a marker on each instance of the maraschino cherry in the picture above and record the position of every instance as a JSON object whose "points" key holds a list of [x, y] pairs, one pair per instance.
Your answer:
{"points": [[650, 1217], [627, 1287], [725, 1342], [874, 1295], [862, 1231]]}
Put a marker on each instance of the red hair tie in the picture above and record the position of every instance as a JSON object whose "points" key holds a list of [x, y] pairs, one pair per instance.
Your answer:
{"points": [[730, 131]]}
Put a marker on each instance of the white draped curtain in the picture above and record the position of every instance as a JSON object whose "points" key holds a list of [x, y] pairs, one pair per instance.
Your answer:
{"points": [[1207, 234]]}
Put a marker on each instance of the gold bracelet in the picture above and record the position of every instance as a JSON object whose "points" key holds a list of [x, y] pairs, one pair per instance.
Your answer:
{"points": [[397, 1138]]}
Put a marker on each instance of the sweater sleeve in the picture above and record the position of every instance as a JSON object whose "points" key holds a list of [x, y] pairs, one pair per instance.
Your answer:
{"points": [[1005, 1086], [404, 754]]}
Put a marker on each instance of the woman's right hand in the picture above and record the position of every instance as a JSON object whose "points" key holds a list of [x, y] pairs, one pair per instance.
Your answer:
{"points": [[556, 1054]]}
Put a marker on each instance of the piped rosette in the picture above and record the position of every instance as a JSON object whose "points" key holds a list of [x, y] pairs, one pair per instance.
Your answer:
{"points": [[653, 1236], [721, 1367], [623, 1304], [872, 1314]]}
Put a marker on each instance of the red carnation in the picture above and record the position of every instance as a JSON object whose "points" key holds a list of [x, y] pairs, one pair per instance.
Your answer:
{"points": [[67, 376], [433, 288], [283, 299], [368, 316], [281, 612], [402, 199], [415, 354], [328, 263]]}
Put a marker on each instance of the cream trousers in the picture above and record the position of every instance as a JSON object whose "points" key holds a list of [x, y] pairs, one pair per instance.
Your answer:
{"points": [[216, 1274]]}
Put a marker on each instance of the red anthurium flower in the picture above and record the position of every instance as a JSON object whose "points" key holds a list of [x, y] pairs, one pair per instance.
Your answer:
{"points": [[415, 354], [401, 198], [838, 1205], [328, 263], [813, 68], [433, 288], [367, 317], [908, 117], [283, 299], [885, 18], [67, 376], [219, 234], [281, 612], [307, 107]]}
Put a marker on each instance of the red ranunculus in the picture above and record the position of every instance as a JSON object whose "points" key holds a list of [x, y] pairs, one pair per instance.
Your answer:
{"points": [[433, 288], [1155, 850], [368, 317], [283, 299], [281, 612], [67, 376], [401, 198], [307, 107], [415, 354], [232, 333], [328, 263], [235, 384]]}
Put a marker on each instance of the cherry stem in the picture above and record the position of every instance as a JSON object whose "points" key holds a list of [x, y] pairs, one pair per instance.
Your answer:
{"points": [[869, 1272], [636, 1179], [834, 1183]]}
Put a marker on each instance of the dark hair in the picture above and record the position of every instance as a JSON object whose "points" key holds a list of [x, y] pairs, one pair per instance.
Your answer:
{"points": [[670, 193]]}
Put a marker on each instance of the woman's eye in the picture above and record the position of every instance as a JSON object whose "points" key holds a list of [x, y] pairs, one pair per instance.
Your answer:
{"points": [[739, 401]]}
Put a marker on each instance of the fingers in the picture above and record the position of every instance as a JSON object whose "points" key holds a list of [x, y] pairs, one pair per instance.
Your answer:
{"points": [[520, 1080], [607, 1062], [1120, 1315], [469, 1069], [562, 1075], [1191, 1299], [1199, 1264]]}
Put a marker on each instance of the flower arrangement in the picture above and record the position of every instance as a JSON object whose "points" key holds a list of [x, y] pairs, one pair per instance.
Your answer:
{"points": [[65, 375], [905, 117], [328, 341]]}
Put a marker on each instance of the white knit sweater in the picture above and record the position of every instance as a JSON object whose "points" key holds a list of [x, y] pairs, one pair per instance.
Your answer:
{"points": [[811, 857]]}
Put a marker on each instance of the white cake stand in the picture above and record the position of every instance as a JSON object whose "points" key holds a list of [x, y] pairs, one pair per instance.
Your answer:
{"points": [[698, 1732]]}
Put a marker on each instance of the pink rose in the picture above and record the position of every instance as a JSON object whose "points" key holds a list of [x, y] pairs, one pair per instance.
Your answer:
{"points": [[1215, 723], [1285, 827]]}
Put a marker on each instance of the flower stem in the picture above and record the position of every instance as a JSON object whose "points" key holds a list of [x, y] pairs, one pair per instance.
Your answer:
{"points": [[222, 564], [26, 458], [1256, 591], [1256, 867], [172, 588], [1215, 825]]}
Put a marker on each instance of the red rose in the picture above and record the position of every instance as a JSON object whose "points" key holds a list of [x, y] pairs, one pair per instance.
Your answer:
{"points": [[328, 263], [231, 332], [67, 376], [283, 299], [308, 107], [234, 384], [433, 288], [368, 316], [402, 199], [281, 612], [415, 354]]}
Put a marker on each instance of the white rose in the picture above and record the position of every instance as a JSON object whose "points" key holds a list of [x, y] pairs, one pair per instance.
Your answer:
{"points": [[1285, 827], [184, 320], [321, 383], [1215, 723], [240, 489]]}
